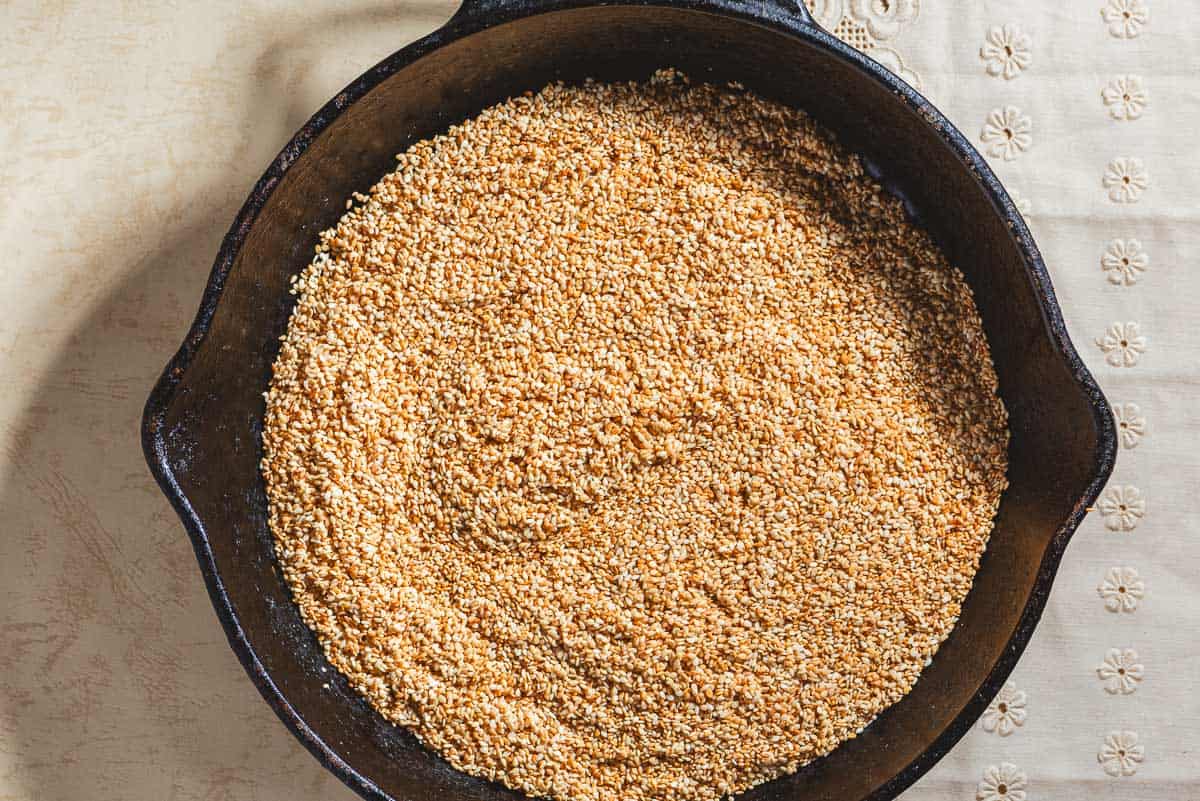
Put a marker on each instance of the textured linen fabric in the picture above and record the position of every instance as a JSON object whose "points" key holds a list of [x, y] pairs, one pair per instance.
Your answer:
{"points": [[131, 133]]}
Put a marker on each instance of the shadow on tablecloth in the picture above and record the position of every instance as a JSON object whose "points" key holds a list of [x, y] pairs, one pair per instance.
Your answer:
{"points": [[115, 678]]}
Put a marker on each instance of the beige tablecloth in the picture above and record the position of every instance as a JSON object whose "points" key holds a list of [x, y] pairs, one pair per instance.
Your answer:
{"points": [[132, 131]]}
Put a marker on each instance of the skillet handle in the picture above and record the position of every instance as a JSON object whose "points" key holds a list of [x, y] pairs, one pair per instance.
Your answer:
{"points": [[789, 13]]}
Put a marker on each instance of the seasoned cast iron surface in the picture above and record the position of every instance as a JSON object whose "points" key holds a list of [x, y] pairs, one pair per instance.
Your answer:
{"points": [[202, 425]]}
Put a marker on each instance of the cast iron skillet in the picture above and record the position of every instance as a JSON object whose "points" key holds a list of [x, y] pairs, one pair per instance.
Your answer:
{"points": [[203, 421]]}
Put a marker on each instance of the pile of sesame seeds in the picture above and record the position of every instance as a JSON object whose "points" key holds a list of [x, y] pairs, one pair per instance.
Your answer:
{"points": [[628, 442]]}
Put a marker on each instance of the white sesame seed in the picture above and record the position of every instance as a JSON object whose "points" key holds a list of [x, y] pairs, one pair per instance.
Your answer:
{"points": [[628, 442]]}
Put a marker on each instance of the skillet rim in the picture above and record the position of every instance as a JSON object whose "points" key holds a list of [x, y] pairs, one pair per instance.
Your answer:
{"points": [[473, 17]]}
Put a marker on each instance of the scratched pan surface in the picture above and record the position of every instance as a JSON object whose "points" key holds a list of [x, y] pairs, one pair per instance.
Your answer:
{"points": [[203, 421]]}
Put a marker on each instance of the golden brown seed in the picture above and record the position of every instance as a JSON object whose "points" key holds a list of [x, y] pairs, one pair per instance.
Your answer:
{"points": [[628, 442]]}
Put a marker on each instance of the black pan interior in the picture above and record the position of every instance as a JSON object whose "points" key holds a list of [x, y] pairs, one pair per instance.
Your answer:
{"points": [[212, 425]]}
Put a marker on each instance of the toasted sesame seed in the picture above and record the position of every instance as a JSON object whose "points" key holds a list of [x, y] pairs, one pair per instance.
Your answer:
{"points": [[627, 441]]}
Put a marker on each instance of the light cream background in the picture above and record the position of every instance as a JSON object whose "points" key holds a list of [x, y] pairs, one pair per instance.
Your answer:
{"points": [[130, 133]]}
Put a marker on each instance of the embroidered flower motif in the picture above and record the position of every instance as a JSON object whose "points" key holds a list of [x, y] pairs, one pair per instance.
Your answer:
{"points": [[1006, 711], [883, 19], [1120, 671], [854, 34], [891, 59], [1001, 783], [1125, 97], [1007, 132], [1125, 179], [1123, 260], [1131, 426], [1125, 18], [1121, 589], [1006, 51], [827, 13], [1123, 508], [1122, 344], [1121, 753]]}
